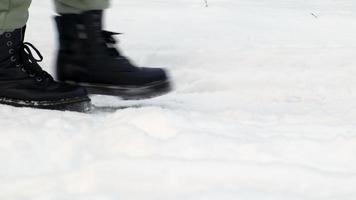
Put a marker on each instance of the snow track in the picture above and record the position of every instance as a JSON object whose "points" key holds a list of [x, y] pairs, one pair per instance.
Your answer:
{"points": [[264, 109]]}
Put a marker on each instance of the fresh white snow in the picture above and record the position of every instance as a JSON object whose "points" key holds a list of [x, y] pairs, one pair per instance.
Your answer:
{"points": [[264, 108]]}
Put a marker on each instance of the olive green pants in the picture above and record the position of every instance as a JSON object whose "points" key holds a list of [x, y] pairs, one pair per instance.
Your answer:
{"points": [[14, 13]]}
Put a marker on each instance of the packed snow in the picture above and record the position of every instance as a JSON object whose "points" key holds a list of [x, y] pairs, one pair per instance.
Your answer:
{"points": [[264, 108]]}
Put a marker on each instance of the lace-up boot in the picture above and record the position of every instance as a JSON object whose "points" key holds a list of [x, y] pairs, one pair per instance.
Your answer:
{"points": [[88, 57], [23, 83]]}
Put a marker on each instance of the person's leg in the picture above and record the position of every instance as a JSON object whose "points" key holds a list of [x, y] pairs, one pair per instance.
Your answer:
{"points": [[13, 14], [79, 6]]}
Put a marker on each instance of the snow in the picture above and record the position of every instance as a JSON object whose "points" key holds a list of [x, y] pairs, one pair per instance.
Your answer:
{"points": [[264, 107]]}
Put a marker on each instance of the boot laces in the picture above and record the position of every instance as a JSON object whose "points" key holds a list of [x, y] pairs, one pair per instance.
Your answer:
{"points": [[29, 64], [111, 42]]}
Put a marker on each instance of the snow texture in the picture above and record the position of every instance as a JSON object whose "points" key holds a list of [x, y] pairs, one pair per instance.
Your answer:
{"points": [[264, 108]]}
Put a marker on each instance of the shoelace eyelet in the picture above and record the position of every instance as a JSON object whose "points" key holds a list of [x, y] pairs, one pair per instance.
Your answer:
{"points": [[13, 59], [9, 43], [7, 35], [39, 79]]}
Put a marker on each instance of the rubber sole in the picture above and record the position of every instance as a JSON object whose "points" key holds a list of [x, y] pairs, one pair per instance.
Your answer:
{"points": [[80, 104], [138, 92]]}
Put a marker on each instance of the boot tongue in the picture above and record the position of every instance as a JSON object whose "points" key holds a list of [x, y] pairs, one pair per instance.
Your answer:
{"points": [[94, 19], [93, 23], [86, 24]]}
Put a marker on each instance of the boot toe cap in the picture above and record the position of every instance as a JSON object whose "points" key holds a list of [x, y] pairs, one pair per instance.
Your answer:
{"points": [[154, 74]]}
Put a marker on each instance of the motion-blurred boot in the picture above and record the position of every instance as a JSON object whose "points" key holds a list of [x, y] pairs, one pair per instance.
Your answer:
{"points": [[88, 57]]}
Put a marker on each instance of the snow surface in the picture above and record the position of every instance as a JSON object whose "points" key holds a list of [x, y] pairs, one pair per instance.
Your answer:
{"points": [[264, 108]]}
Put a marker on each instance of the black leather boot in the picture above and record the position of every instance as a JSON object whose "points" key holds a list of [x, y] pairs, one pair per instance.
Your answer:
{"points": [[24, 84], [88, 57]]}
